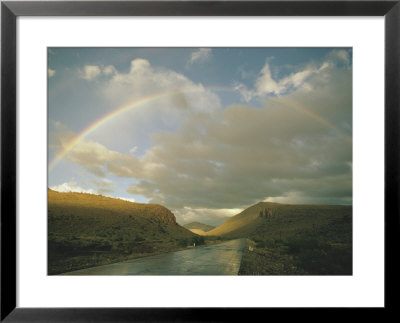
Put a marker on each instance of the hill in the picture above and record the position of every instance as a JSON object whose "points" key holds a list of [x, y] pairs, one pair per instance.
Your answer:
{"points": [[198, 228], [288, 239], [278, 220], [86, 230]]}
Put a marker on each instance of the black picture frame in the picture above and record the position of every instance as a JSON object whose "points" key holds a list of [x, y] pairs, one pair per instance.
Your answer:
{"points": [[10, 10]]}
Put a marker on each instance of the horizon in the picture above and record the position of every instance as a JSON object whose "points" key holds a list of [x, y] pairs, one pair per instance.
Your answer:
{"points": [[196, 221], [205, 132]]}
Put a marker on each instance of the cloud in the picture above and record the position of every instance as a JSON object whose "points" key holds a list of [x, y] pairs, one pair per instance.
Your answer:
{"points": [[266, 85], [295, 197], [172, 91], [208, 216], [133, 149], [243, 154], [295, 147], [155, 97], [51, 72], [90, 72], [246, 94], [99, 160], [139, 65], [199, 56], [159, 99], [102, 182], [109, 70], [72, 186], [59, 136], [339, 56], [304, 78], [93, 156]]}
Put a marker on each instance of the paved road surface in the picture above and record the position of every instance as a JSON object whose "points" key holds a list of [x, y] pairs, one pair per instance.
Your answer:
{"points": [[220, 259]]}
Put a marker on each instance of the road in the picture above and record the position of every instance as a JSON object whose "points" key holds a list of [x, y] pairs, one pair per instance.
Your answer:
{"points": [[220, 259]]}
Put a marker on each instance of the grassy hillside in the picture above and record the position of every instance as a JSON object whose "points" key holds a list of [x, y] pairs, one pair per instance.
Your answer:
{"points": [[85, 230], [293, 239], [240, 225], [198, 228], [278, 220]]}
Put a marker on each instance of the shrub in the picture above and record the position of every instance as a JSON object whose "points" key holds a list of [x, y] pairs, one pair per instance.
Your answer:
{"points": [[260, 244], [302, 243], [182, 242], [198, 240]]}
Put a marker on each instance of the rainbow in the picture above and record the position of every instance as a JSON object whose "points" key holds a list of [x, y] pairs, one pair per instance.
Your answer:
{"points": [[142, 101], [124, 108], [302, 109]]}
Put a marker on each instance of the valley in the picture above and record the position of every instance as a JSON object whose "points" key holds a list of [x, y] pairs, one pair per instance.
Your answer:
{"points": [[199, 228], [88, 231]]}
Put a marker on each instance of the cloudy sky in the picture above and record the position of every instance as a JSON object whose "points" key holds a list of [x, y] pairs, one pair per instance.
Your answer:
{"points": [[205, 132]]}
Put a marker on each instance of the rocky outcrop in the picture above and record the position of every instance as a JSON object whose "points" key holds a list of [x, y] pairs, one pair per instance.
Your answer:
{"points": [[160, 214]]}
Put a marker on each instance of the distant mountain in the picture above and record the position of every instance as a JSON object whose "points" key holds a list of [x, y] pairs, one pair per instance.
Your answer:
{"points": [[86, 230], [198, 228], [276, 220]]}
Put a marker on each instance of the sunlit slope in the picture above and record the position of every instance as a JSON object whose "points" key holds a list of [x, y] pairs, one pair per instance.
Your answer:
{"points": [[279, 220], [85, 230], [198, 231], [81, 214], [198, 228]]}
